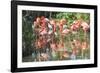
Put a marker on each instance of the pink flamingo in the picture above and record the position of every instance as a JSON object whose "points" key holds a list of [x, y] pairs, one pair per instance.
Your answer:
{"points": [[85, 26], [76, 25]]}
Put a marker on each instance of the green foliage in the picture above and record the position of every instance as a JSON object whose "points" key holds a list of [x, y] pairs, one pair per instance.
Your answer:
{"points": [[72, 16], [27, 35]]}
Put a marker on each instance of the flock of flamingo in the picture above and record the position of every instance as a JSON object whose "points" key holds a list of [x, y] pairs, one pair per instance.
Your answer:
{"points": [[50, 43]]}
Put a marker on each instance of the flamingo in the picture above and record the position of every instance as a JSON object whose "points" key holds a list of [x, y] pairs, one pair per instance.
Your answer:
{"points": [[39, 44], [66, 31], [44, 25], [76, 25], [84, 45], [38, 20], [43, 31], [53, 46], [63, 25], [53, 23], [85, 26]]}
